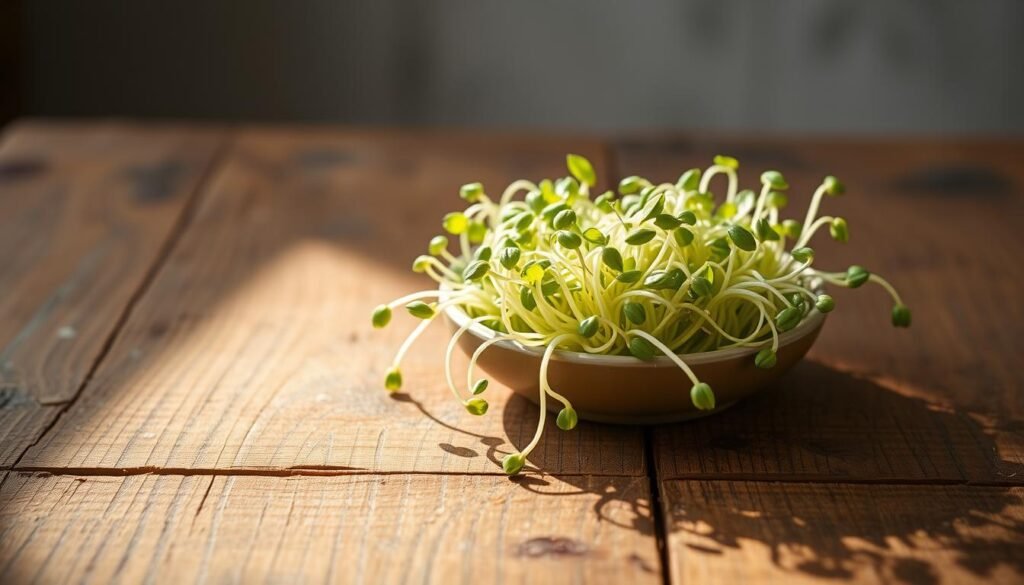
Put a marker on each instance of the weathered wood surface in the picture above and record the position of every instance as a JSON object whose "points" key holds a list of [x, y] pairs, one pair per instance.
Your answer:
{"points": [[943, 400], [232, 425], [763, 532], [253, 346], [85, 211], [343, 529]]}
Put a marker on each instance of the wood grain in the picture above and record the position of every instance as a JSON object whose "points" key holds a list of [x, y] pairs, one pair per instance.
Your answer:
{"points": [[253, 347], [943, 400], [85, 210], [762, 532], [345, 529]]}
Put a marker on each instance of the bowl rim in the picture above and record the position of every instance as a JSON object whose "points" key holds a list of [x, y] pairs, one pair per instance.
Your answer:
{"points": [[807, 326]]}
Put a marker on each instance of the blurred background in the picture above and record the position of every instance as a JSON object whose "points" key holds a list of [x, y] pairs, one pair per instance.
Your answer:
{"points": [[829, 66]]}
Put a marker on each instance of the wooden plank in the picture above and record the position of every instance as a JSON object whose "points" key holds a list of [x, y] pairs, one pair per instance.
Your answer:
{"points": [[253, 348], [943, 400], [85, 210], [343, 529], [760, 532]]}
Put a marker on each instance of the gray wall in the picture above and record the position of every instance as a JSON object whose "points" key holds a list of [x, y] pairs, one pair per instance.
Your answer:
{"points": [[801, 65]]}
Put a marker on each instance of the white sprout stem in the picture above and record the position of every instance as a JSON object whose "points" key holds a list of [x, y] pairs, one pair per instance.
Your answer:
{"points": [[451, 350], [668, 353], [812, 210], [543, 388], [476, 356]]}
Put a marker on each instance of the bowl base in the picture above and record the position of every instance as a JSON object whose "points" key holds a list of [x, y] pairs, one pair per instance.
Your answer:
{"points": [[657, 419]]}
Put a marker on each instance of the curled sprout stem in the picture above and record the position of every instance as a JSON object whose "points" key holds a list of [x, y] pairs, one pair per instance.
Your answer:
{"points": [[652, 269]]}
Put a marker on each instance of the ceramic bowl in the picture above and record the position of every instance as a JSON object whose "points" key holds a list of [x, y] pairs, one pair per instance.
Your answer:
{"points": [[626, 390]]}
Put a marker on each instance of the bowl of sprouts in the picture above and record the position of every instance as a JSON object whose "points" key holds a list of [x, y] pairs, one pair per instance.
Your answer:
{"points": [[647, 304]]}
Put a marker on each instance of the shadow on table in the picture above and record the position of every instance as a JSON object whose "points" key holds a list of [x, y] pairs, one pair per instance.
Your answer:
{"points": [[815, 529]]}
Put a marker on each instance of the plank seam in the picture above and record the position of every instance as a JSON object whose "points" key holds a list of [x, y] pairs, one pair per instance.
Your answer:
{"points": [[174, 235]]}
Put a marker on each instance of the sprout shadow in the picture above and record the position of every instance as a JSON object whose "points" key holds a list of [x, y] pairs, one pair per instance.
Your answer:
{"points": [[827, 527]]}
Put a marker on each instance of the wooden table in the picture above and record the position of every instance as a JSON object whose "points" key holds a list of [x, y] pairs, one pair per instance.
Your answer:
{"points": [[190, 387]]}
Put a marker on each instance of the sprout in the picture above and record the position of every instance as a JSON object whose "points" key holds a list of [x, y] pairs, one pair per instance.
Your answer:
{"points": [[393, 379], [513, 463], [437, 245], [567, 419], [900, 316], [588, 327], [569, 239], [477, 406], [839, 231], [668, 269], [509, 257], [475, 270], [641, 348], [743, 239], [683, 236], [455, 223], [635, 312], [381, 316], [702, 396], [471, 192], [727, 161], [640, 237], [856, 276], [564, 219], [774, 180], [687, 217], [690, 180], [581, 169], [479, 386], [833, 187], [420, 310], [765, 359], [824, 303], [802, 254]]}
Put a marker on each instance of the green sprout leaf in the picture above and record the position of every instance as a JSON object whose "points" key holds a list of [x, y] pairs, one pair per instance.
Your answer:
{"points": [[437, 245], [629, 276], [567, 419], [900, 316], [682, 236], [588, 327], [471, 192], [856, 276], [690, 180], [476, 406], [702, 396], [839, 231], [765, 231], [569, 239], [612, 259], [420, 310], [667, 222], [631, 185], [774, 180], [833, 187], [564, 219], [824, 303], [803, 254], [581, 168], [393, 380], [640, 237], [743, 239], [479, 386], [641, 348], [475, 270], [455, 223], [727, 161], [513, 463], [509, 257], [687, 217], [381, 316], [634, 312], [788, 318], [765, 359]]}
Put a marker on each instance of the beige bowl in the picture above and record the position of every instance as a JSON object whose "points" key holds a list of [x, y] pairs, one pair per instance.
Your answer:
{"points": [[626, 390]]}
